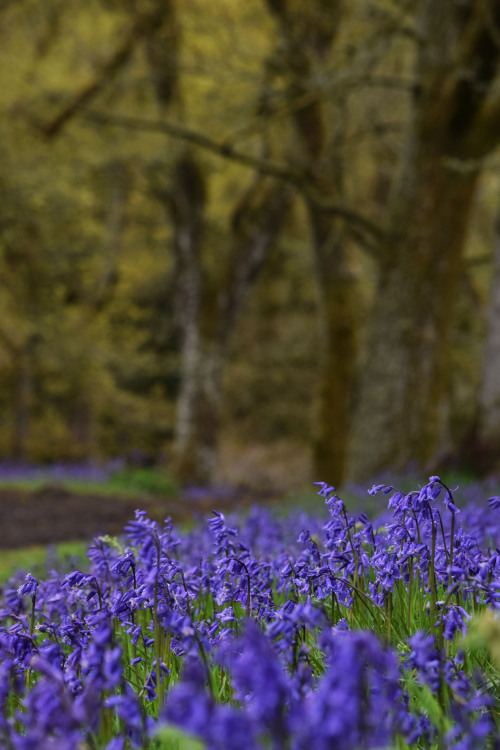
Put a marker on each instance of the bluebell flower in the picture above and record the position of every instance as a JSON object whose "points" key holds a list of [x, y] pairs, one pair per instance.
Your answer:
{"points": [[126, 707], [377, 488], [494, 503], [355, 703], [117, 743], [454, 619], [259, 680], [192, 709], [425, 659], [29, 586], [326, 489]]}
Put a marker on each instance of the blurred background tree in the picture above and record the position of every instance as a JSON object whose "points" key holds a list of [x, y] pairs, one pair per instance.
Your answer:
{"points": [[250, 242]]}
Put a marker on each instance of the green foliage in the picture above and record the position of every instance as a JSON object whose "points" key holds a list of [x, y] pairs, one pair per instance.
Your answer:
{"points": [[39, 560], [123, 483], [425, 701], [173, 738], [139, 481], [405, 612], [90, 360], [484, 637]]}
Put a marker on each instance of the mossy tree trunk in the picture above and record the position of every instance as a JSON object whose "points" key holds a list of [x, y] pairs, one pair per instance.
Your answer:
{"points": [[23, 400], [337, 285], [208, 313], [209, 301], [486, 443], [454, 123], [307, 33]]}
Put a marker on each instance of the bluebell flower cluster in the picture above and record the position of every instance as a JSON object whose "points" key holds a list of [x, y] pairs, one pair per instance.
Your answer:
{"points": [[335, 633]]}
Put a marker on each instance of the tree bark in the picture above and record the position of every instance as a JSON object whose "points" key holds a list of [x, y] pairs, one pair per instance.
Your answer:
{"points": [[308, 32], [487, 447], [23, 400], [84, 407], [187, 202], [404, 371], [337, 285], [208, 316], [454, 124]]}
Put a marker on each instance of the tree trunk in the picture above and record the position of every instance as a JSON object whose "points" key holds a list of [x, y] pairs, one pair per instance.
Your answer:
{"points": [[82, 425], [198, 417], [23, 401], [188, 204], [207, 317], [83, 410], [308, 32], [337, 286], [454, 124], [488, 428], [205, 347], [398, 417]]}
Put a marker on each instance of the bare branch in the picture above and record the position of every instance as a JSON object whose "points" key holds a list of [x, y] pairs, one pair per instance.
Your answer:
{"points": [[91, 89], [298, 178], [106, 72], [197, 139], [256, 225]]}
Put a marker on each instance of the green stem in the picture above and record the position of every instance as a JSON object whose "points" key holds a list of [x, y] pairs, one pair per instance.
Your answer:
{"points": [[452, 538], [334, 601], [432, 577], [355, 577], [32, 621], [362, 597], [410, 585], [444, 536], [249, 591], [388, 611]]}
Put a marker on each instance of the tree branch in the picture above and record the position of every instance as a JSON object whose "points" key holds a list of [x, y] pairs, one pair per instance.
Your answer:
{"points": [[296, 177], [256, 226], [197, 139], [109, 69]]}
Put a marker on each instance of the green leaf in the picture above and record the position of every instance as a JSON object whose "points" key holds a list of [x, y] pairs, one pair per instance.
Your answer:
{"points": [[426, 702], [173, 738]]}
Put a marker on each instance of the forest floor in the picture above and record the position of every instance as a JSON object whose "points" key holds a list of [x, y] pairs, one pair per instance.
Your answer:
{"points": [[51, 511], [54, 514]]}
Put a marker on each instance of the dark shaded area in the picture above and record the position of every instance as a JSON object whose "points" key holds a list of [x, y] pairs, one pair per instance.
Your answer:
{"points": [[54, 514]]}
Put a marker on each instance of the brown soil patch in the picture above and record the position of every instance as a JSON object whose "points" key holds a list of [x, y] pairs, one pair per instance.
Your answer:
{"points": [[54, 514]]}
